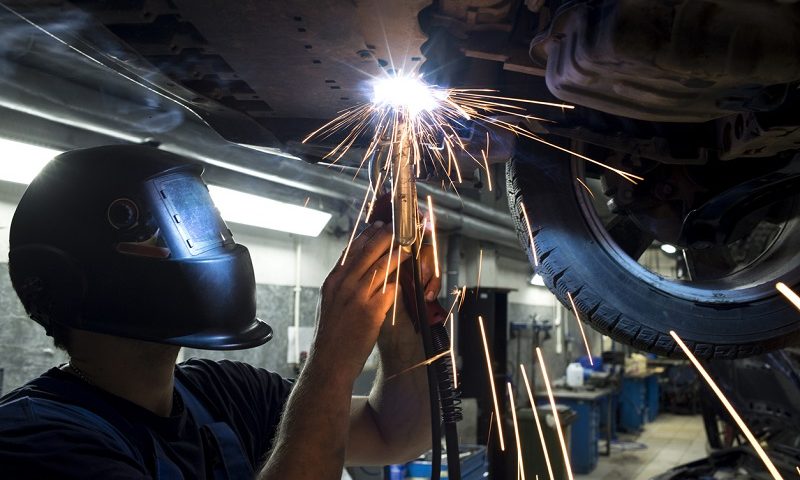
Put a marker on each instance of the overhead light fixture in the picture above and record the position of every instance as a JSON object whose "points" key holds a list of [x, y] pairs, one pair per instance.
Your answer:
{"points": [[22, 161], [248, 209], [537, 280], [668, 249]]}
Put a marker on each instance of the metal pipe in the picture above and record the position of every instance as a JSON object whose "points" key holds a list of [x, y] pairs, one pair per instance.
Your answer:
{"points": [[298, 256], [77, 105]]}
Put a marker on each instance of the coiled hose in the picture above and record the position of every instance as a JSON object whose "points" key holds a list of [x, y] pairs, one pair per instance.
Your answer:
{"points": [[440, 383]]}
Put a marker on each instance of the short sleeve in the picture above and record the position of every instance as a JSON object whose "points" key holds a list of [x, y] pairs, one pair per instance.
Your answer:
{"points": [[38, 440], [249, 399]]}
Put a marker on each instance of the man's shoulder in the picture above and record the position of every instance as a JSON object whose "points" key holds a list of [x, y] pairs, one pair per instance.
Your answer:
{"points": [[41, 404], [205, 371], [33, 412], [46, 438]]}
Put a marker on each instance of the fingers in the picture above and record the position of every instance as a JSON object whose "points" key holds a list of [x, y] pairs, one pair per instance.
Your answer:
{"points": [[368, 247], [383, 269], [428, 270]]}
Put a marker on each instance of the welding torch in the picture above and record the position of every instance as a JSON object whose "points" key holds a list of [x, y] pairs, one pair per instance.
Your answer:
{"points": [[428, 316]]}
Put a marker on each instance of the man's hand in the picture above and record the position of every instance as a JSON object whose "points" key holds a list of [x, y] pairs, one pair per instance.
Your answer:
{"points": [[393, 424], [353, 303]]}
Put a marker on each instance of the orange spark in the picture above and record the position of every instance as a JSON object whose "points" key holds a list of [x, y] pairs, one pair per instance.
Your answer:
{"points": [[463, 294], [469, 92], [433, 236], [389, 263], [485, 154], [491, 383], [489, 437], [453, 351], [555, 413], [305, 204], [585, 186], [419, 250], [374, 273], [455, 300], [580, 326], [530, 234], [747, 433], [486, 167], [480, 267], [520, 464], [789, 294], [374, 189], [396, 284], [538, 423], [430, 131], [355, 227], [420, 364]]}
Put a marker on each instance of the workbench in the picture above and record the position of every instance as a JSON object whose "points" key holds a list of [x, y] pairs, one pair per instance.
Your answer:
{"points": [[589, 405]]}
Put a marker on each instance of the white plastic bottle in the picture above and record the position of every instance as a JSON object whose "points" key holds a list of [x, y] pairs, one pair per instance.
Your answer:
{"points": [[574, 375]]}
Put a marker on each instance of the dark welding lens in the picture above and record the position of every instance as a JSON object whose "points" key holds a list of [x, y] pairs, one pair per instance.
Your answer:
{"points": [[193, 212]]}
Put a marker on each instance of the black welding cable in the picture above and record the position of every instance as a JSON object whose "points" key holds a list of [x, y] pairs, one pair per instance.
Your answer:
{"points": [[433, 384], [450, 399]]}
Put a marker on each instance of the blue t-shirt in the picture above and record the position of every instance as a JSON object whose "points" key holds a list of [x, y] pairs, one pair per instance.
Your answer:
{"points": [[54, 439]]}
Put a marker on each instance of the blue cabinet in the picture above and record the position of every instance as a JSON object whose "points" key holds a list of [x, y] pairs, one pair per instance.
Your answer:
{"points": [[583, 451], [632, 405], [653, 397]]}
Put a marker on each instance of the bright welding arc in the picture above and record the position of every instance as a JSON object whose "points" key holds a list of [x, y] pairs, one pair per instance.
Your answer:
{"points": [[425, 116]]}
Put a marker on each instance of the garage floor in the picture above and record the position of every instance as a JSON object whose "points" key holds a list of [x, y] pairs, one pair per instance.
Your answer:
{"points": [[670, 441]]}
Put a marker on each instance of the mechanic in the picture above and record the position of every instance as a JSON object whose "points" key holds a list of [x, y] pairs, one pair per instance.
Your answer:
{"points": [[120, 254]]}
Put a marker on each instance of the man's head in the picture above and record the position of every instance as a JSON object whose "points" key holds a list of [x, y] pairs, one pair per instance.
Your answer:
{"points": [[125, 241]]}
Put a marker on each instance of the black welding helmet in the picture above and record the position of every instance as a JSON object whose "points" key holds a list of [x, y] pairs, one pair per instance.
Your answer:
{"points": [[125, 240]]}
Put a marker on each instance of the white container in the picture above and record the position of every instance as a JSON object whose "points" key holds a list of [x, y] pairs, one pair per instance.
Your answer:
{"points": [[574, 375]]}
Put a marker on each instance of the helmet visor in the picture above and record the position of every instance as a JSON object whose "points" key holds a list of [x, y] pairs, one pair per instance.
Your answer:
{"points": [[192, 211]]}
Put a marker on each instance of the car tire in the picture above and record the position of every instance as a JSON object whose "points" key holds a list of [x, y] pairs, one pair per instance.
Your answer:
{"points": [[629, 304]]}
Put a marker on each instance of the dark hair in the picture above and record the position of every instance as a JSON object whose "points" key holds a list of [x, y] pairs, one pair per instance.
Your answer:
{"points": [[38, 305], [61, 336]]}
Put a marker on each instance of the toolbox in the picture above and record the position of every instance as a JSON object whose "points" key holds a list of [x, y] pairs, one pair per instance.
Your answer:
{"points": [[474, 465]]}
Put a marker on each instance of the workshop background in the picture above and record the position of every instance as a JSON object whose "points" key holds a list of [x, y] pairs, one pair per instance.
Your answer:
{"points": [[220, 97], [286, 264]]}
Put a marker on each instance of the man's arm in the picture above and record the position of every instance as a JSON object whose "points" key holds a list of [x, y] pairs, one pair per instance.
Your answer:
{"points": [[312, 437], [392, 425]]}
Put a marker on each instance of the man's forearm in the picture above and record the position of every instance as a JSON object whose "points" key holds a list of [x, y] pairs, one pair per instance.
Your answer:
{"points": [[400, 398], [312, 436]]}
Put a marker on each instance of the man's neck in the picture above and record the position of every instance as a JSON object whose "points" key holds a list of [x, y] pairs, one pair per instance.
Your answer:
{"points": [[140, 372]]}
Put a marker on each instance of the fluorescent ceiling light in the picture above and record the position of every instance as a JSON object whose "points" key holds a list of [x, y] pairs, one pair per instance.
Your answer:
{"points": [[20, 162], [668, 249], [247, 209], [537, 280]]}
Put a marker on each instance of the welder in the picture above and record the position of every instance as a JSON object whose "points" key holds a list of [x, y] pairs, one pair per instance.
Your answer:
{"points": [[119, 253]]}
